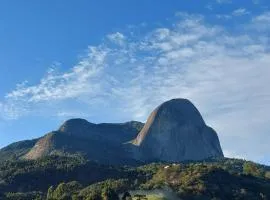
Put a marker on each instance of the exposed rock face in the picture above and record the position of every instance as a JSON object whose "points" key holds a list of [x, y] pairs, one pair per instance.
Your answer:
{"points": [[43, 147], [176, 131]]}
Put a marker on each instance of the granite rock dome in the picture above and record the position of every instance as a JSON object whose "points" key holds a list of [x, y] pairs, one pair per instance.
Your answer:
{"points": [[175, 131]]}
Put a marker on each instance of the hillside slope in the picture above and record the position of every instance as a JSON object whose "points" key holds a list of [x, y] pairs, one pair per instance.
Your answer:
{"points": [[103, 143], [61, 177]]}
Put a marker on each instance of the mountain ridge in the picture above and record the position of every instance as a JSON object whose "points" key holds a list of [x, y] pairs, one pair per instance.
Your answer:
{"points": [[173, 132]]}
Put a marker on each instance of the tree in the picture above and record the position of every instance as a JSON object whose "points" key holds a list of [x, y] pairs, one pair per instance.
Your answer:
{"points": [[267, 174], [50, 193], [126, 196], [109, 194], [94, 195], [250, 168], [140, 197], [64, 191]]}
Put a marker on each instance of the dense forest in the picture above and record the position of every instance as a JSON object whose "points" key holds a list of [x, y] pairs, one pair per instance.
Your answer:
{"points": [[74, 177]]}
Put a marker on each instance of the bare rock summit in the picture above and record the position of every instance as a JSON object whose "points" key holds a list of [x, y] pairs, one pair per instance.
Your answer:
{"points": [[175, 131]]}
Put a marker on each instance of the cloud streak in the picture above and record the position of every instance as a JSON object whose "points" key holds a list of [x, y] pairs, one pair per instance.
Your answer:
{"points": [[224, 72], [223, 1], [240, 12]]}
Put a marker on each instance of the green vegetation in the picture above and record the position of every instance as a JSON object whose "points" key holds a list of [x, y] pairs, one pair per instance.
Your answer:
{"points": [[74, 178], [267, 175], [209, 181], [24, 196], [155, 197], [16, 150], [250, 168], [38, 175]]}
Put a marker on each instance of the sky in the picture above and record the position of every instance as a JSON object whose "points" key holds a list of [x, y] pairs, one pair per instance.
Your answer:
{"points": [[115, 61]]}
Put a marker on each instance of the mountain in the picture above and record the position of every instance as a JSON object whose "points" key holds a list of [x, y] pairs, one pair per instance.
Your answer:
{"points": [[98, 142], [83, 160], [115, 133], [16, 149], [175, 131]]}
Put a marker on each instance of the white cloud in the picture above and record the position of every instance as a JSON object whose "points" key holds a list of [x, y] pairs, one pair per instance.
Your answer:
{"points": [[82, 77], [236, 13], [209, 7], [261, 22], [256, 1], [225, 73], [223, 1], [226, 17], [117, 38], [72, 114], [240, 12], [230, 154], [263, 18]]}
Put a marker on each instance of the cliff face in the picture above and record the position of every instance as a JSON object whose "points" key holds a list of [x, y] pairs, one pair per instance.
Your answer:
{"points": [[175, 131]]}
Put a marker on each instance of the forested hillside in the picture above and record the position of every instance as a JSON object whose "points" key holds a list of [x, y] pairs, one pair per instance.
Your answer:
{"points": [[73, 177]]}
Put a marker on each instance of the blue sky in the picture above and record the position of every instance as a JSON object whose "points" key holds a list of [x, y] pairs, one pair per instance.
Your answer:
{"points": [[114, 61]]}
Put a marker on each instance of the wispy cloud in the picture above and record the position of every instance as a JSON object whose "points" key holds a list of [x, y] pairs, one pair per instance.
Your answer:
{"points": [[263, 18], [236, 13], [224, 72], [230, 154], [56, 86], [256, 1], [223, 1], [261, 22], [117, 38], [209, 7], [226, 17], [240, 12]]}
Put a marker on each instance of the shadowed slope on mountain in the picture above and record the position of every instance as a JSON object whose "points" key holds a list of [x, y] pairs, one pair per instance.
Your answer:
{"points": [[16, 149], [98, 142], [115, 132]]}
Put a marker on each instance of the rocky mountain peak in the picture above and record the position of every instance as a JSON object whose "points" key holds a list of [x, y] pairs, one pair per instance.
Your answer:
{"points": [[76, 125], [176, 131]]}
